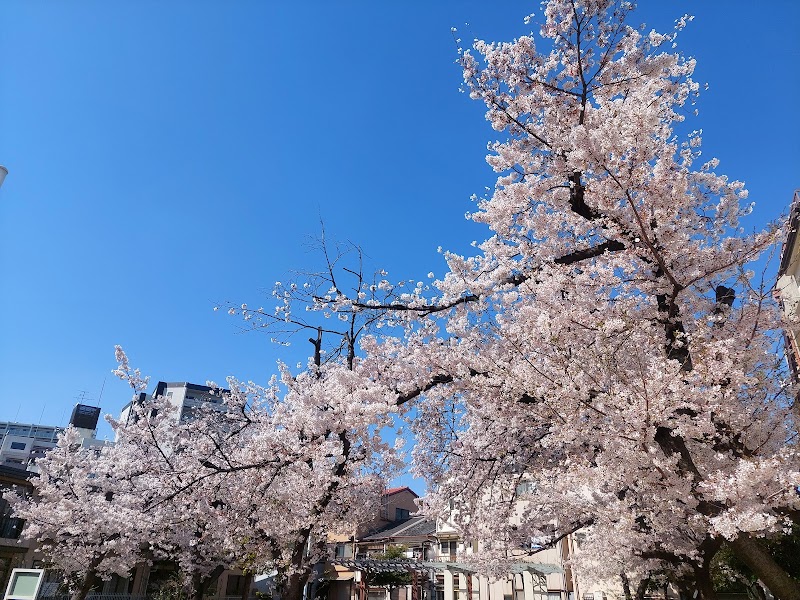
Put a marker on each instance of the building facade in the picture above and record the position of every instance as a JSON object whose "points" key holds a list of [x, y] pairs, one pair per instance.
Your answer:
{"points": [[431, 561], [184, 396], [788, 286], [22, 443]]}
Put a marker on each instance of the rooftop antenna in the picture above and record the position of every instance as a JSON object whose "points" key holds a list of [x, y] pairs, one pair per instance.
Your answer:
{"points": [[41, 415], [16, 416], [81, 397], [100, 397]]}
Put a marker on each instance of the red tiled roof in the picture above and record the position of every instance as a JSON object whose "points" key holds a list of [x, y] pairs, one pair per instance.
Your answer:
{"points": [[395, 490]]}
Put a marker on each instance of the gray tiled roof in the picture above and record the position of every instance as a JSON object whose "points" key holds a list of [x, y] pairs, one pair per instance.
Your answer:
{"points": [[413, 527]]}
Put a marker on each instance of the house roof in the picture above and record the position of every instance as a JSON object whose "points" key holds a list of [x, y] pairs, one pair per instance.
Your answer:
{"points": [[413, 527], [405, 565], [397, 490]]}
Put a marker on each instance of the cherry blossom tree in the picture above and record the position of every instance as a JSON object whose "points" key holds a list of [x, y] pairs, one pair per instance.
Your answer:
{"points": [[609, 348], [608, 363], [261, 483], [257, 481], [82, 513]]}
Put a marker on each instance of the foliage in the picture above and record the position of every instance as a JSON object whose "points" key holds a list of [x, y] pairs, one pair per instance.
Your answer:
{"points": [[393, 552], [608, 360], [732, 575], [391, 579], [204, 492]]}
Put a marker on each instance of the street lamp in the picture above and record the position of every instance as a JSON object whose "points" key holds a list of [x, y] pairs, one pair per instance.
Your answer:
{"points": [[3, 173]]}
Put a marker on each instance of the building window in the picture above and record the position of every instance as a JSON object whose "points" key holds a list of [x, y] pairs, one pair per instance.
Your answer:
{"points": [[401, 513], [235, 585], [448, 547], [525, 487], [18, 445], [344, 551]]}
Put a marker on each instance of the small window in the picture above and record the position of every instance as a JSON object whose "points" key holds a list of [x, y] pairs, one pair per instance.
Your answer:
{"points": [[344, 550], [401, 513], [235, 585], [525, 487], [18, 445], [448, 546]]}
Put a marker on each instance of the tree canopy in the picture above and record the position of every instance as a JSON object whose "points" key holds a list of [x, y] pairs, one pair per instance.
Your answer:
{"points": [[608, 363]]}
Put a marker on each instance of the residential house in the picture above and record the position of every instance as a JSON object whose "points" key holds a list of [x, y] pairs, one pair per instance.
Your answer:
{"points": [[435, 565]]}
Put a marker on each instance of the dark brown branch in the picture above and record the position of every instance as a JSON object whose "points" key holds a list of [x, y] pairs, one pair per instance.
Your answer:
{"points": [[423, 310], [553, 541], [580, 255], [435, 380]]}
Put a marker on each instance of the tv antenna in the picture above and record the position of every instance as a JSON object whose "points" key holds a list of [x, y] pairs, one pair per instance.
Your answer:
{"points": [[82, 396]]}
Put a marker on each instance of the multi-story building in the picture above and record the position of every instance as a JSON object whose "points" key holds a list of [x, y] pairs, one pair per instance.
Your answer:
{"points": [[185, 397], [22, 443]]}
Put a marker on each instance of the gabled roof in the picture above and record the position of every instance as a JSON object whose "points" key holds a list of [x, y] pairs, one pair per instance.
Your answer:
{"points": [[397, 490], [413, 527]]}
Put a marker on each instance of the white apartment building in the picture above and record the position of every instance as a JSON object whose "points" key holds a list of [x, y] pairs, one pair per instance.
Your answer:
{"points": [[184, 396]]}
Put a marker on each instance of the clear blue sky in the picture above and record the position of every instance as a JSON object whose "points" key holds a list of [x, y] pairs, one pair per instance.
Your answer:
{"points": [[167, 157]]}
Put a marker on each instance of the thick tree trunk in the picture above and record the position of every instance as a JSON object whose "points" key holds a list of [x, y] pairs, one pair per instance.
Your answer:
{"points": [[626, 586], [641, 589], [197, 590], [200, 584], [248, 585], [702, 572], [705, 587], [752, 553], [85, 587], [292, 587]]}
